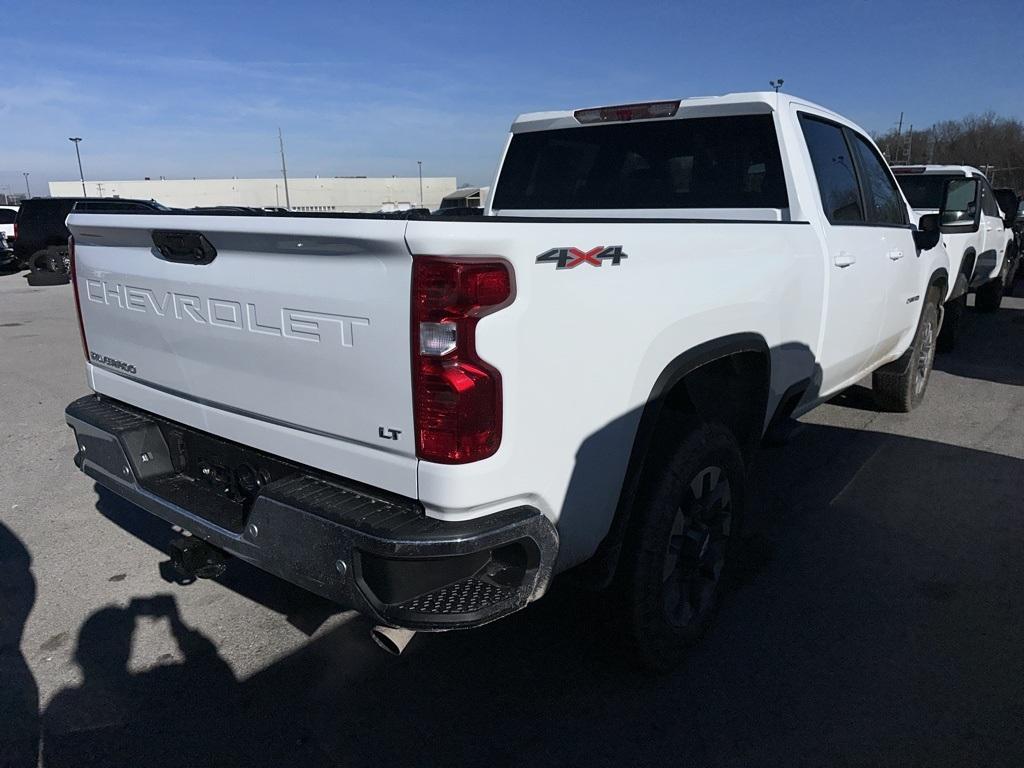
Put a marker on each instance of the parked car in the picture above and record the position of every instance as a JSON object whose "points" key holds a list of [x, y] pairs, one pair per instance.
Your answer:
{"points": [[6, 252], [42, 236], [582, 375], [1009, 205], [8, 214], [973, 232]]}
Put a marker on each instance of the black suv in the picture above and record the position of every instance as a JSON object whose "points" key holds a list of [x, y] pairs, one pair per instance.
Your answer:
{"points": [[41, 242]]}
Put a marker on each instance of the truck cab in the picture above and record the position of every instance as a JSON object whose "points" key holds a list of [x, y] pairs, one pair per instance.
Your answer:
{"points": [[974, 234]]}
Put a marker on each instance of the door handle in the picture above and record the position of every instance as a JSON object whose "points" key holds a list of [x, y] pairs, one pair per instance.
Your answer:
{"points": [[844, 259], [895, 254]]}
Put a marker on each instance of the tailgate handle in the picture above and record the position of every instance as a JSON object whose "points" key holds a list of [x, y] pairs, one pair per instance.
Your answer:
{"points": [[186, 247]]}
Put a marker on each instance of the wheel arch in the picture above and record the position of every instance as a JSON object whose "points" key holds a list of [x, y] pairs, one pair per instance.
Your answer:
{"points": [[682, 381], [961, 283]]}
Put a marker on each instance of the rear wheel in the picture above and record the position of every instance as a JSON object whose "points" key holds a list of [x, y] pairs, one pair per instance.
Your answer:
{"points": [[900, 385], [682, 529]]}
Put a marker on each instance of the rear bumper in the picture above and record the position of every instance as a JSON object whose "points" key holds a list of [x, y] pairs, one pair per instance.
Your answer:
{"points": [[366, 549]]}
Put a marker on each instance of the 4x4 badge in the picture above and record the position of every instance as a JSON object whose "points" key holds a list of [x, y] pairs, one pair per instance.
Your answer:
{"points": [[567, 258]]}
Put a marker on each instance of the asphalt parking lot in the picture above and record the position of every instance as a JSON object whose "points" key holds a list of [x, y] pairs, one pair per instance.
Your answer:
{"points": [[876, 621]]}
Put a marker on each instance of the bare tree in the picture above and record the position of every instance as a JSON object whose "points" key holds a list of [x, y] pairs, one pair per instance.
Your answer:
{"points": [[992, 143]]}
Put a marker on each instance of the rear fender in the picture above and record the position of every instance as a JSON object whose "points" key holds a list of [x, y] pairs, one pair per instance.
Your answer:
{"points": [[600, 569]]}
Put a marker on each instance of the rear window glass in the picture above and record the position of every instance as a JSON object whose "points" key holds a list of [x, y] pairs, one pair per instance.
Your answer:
{"points": [[7, 216], [716, 162], [44, 215], [924, 190]]}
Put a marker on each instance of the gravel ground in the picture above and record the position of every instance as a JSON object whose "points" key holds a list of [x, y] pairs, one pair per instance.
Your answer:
{"points": [[876, 619]]}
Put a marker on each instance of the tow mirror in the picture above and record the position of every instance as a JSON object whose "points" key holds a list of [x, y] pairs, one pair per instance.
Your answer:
{"points": [[927, 234], [959, 211]]}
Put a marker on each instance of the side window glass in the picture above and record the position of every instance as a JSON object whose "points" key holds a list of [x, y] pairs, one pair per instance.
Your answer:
{"points": [[885, 203], [834, 170], [988, 201]]}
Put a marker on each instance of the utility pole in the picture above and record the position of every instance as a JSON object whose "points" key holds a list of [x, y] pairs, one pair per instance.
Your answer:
{"points": [[28, 192], [284, 172], [910, 142], [420, 164], [76, 140], [898, 145]]}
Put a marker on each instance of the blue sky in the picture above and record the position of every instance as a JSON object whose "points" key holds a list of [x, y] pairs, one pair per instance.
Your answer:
{"points": [[184, 89]]}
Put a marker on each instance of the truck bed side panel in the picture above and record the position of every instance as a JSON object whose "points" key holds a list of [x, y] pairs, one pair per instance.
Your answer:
{"points": [[581, 347]]}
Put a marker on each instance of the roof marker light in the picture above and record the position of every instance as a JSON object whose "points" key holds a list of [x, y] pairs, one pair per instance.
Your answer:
{"points": [[625, 112]]}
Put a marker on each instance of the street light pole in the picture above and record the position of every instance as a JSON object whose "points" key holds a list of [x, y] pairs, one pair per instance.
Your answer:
{"points": [[28, 191], [420, 164], [78, 154], [284, 171]]}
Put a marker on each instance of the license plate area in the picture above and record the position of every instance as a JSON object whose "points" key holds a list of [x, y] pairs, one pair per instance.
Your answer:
{"points": [[214, 478]]}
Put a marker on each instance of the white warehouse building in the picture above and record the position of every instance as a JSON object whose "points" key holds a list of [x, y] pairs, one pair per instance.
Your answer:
{"points": [[352, 194]]}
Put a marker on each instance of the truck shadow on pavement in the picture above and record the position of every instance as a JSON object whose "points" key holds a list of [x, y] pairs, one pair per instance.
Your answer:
{"points": [[991, 346], [876, 622]]}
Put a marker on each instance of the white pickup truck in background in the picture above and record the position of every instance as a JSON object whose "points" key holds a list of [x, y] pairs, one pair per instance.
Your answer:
{"points": [[428, 418], [973, 232]]}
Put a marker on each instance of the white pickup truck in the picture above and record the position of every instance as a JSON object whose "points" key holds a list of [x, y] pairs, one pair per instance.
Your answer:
{"points": [[427, 418], [974, 235]]}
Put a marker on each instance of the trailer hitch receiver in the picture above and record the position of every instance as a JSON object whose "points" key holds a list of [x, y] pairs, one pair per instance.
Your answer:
{"points": [[195, 559]]}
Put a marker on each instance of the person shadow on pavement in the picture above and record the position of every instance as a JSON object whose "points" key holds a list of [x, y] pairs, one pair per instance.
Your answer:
{"points": [[19, 694], [117, 718]]}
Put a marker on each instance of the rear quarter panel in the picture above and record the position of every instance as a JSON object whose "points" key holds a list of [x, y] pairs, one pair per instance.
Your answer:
{"points": [[580, 349]]}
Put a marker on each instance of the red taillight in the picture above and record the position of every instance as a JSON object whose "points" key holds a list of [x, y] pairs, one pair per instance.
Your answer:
{"points": [[15, 230], [456, 395], [78, 302]]}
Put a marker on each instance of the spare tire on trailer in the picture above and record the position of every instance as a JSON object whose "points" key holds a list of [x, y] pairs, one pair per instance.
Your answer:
{"points": [[53, 259], [39, 261], [47, 268]]}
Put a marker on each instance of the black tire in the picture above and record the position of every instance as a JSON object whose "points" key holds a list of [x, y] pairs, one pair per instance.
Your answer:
{"points": [[682, 528], [900, 385], [39, 261], [952, 316], [54, 260], [990, 295]]}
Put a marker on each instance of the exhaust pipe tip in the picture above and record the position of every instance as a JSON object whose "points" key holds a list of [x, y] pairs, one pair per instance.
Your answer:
{"points": [[391, 639]]}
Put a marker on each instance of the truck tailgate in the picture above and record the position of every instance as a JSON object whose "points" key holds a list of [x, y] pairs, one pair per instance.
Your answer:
{"points": [[296, 325]]}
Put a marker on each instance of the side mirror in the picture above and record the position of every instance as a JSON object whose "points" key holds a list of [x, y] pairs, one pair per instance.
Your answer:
{"points": [[927, 234], [959, 211]]}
